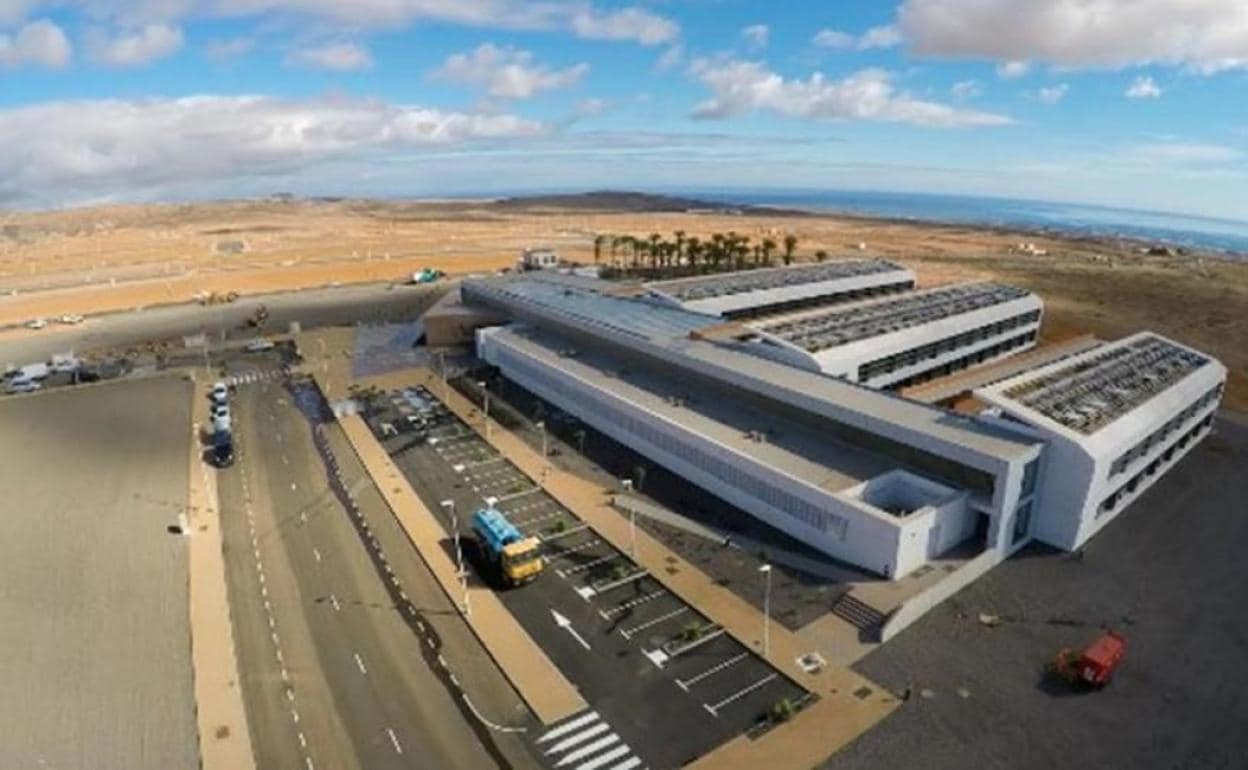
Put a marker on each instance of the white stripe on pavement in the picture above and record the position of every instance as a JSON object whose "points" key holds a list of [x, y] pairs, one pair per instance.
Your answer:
{"points": [[568, 727], [585, 751], [599, 761], [581, 737]]}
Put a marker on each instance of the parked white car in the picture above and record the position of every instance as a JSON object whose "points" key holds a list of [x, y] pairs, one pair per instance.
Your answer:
{"points": [[20, 385], [259, 345], [220, 393], [70, 319], [36, 323]]}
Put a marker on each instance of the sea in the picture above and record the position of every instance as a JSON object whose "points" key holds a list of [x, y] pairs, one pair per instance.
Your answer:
{"points": [[1227, 236]]}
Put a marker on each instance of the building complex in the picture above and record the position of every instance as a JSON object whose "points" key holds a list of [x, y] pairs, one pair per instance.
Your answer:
{"points": [[823, 452]]}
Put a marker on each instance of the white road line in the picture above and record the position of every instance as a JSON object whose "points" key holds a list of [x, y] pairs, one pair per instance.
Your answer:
{"points": [[628, 764], [394, 740], [334, 601], [589, 564], [359, 663], [585, 751], [579, 737], [316, 554], [738, 694], [628, 632], [599, 761], [631, 603], [303, 742], [568, 727], [684, 683], [308, 761]]}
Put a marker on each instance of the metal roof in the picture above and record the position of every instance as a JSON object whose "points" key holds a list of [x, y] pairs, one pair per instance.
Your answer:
{"points": [[833, 327], [740, 282]]}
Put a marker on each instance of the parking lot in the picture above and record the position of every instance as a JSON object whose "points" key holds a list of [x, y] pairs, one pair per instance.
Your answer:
{"points": [[664, 685]]}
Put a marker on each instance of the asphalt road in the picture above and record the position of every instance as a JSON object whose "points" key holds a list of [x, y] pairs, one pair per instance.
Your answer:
{"points": [[94, 637], [355, 671], [1168, 573], [343, 306]]}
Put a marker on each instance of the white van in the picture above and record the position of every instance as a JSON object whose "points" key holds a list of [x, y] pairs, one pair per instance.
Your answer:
{"points": [[21, 384]]}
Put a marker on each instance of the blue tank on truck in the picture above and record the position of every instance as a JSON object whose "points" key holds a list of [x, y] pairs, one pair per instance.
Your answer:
{"points": [[516, 558]]}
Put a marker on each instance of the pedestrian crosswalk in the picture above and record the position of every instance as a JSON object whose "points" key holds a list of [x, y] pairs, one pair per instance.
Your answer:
{"points": [[586, 742], [246, 378]]}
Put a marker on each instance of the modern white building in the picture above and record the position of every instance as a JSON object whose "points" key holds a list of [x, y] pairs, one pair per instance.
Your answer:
{"points": [[863, 475], [898, 341], [1114, 419], [768, 291]]}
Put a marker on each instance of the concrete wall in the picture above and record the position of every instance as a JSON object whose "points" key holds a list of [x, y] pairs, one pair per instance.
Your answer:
{"points": [[917, 606]]}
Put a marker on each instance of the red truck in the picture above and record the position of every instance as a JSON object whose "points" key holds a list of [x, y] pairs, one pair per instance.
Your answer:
{"points": [[1095, 666]]}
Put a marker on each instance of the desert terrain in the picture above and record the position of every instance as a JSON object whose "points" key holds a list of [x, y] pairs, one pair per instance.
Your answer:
{"points": [[122, 257]]}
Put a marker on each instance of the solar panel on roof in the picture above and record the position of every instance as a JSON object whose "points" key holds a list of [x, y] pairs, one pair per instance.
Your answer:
{"points": [[707, 287]]}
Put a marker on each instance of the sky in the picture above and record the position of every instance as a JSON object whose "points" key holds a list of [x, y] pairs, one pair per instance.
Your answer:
{"points": [[1131, 103]]}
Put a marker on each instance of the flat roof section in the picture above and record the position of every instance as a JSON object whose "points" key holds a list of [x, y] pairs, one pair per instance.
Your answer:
{"points": [[744, 281], [833, 327], [770, 439], [961, 383], [1092, 391]]}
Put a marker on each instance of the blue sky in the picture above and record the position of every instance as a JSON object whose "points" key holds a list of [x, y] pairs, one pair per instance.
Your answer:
{"points": [[1134, 103]]}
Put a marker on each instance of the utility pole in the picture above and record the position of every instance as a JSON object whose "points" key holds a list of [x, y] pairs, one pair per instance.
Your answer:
{"points": [[766, 570], [459, 554], [485, 390]]}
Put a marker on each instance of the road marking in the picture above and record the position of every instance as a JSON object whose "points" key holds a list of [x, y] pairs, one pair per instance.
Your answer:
{"points": [[303, 742], [657, 657], [592, 748], [586, 592], [394, 740], [568, 727], [738, 694], [566, 624], [334, 601], [359, 663], [631, 603], [578, 737], [598, 762], [589, 564], [294, 715], [285, 461], [685, 683], [628, 633], [308, 761], [316, 554], [628, 764]]}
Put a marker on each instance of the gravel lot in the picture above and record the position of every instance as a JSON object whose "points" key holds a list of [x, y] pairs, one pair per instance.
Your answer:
{"points": [[1169, 574], [94, 637]]}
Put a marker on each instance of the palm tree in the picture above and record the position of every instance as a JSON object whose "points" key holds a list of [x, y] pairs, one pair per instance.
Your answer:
{"points": [[768, 247], [821, 255], [598, 241], [790, 245], [680, 243], [693, 250]]}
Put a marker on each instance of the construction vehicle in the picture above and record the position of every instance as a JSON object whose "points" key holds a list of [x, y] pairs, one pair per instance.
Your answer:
{"points": [[426, 275], [515, 559], [1094, 667], [259, 318]]}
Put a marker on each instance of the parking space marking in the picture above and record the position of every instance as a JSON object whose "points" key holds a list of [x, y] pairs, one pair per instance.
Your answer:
{"points": [[359, 663], [628, 632], [631, 603], [589, 564], [685, 684], [714, 709], [394, 740], [564, 552]]}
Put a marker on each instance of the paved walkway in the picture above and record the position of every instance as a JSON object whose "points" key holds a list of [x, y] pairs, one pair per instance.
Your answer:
{"points": [[224, 737], [849, 704], [542, 686]]}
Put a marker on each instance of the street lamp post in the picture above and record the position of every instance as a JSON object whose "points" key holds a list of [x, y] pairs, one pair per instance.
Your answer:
{"points": [[632, 520], [541, 426], [445, 385], [486, 395], [459, 553], [766, 570]]}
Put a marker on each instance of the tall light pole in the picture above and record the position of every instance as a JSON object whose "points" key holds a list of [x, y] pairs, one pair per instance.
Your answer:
{"points": [[541, 426], [632, 520], [459, 553], [446, 393], [486, 395], [766, 570]]}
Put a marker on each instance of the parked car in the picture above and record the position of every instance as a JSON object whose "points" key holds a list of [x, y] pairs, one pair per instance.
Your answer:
{"points": [[220, 393], [36, 323], [220, 410], [259, 345], [70, 319], [22, 385]]}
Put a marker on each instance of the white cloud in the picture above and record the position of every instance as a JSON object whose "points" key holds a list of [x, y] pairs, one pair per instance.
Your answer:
{"points": [[1014, 68], [632, 24], [1143, 87], [338, 56], [229, 48], [670, 59], [64, 151], [741, 86], [1052, 94], [965, 89], [1204, 35], [877, 37], [507, 73], [132, 49], [1183, 154], [756, 36], [40, 42], [591, 108]]}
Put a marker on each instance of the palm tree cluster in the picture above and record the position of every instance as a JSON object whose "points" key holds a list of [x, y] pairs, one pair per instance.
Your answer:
{"points": [[684, 254]]}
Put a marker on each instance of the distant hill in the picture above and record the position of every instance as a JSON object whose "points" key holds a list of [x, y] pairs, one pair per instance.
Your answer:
{"points": [[627, 202]]}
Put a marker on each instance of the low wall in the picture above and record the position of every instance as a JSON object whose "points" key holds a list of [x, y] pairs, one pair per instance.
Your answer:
{"points": [[919, 605]]}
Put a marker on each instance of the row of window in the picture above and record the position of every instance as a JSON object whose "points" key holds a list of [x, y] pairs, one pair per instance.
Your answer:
{"points": [[1111, 501], [912, 356], [1159, 436], [970, 359], [821, 300], [555, 388]]}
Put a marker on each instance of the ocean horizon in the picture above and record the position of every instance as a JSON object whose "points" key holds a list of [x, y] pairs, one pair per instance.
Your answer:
{"points": [[1226, 236]]}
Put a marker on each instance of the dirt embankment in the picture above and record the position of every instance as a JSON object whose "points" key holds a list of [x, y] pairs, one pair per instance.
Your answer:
{"points": [[121, 257]]}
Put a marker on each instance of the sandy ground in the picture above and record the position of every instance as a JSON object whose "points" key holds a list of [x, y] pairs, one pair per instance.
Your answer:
{"points": [[62, 262], [94, 640]]}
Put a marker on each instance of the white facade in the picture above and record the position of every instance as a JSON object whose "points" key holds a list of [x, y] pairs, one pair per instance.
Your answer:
{"points": [[1112, 424], [764, 291], [539, 259], [896, 350], [891, 523]]}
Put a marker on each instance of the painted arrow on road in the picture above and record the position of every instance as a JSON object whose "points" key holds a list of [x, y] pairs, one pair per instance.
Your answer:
{"points": [[563, 622]]}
